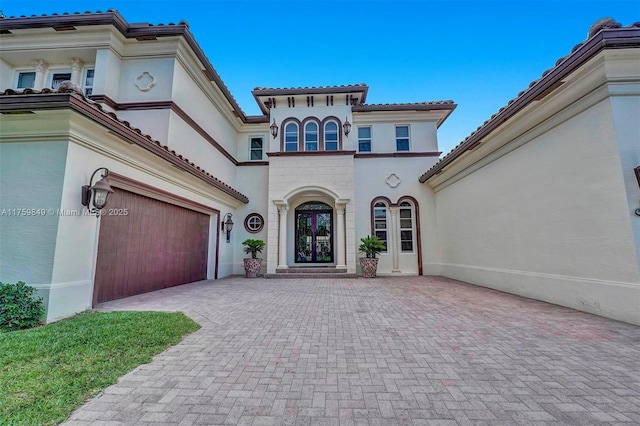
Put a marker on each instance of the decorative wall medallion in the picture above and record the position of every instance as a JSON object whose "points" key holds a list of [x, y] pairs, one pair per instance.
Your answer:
{"points": [[393, 180], [145, 81]]}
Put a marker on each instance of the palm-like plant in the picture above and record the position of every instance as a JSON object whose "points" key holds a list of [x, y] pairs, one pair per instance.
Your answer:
{"points": [[253, 246], [371, 245]]}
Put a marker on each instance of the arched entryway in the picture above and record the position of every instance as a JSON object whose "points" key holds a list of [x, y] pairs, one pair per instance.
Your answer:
{"points": [[314, 233]]}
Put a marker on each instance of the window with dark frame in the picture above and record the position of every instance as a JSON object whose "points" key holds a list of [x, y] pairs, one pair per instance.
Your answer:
{"points": [[256, 146], [364, 139], [59, 78], [254, 223]]}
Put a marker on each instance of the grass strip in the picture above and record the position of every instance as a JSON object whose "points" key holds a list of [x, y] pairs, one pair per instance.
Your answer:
{"points": [[49, 371]]}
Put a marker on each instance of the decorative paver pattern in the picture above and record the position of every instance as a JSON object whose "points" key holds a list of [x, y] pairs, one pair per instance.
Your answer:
{"points": [[384, 351]]}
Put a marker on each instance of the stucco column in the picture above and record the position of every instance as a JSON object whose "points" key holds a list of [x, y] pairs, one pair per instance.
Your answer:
{"points": [[341, 261], [76, 71], [41, 69], [282, 236], [393, 230]]}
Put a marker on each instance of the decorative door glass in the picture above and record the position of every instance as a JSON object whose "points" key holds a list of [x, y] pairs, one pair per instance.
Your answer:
{"points": [[314, 237]]}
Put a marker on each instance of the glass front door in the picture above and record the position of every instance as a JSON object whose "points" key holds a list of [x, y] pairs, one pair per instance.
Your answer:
{"points": [[314, 233]]}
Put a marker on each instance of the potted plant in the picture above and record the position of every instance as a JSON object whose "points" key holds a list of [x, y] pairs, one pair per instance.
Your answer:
{"points": [[370, 246], [252, 264]]}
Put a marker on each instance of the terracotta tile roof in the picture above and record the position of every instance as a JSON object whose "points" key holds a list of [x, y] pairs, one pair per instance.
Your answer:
{"points": [[135, 30], [313, 88], [605, 33], [142, 139], [410, 106]]}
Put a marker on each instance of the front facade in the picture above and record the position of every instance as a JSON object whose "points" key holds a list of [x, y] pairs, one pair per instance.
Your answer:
{"points": [[316, 171]]}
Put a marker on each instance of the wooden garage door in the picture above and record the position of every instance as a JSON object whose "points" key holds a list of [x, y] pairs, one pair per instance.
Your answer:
{"points": [[155, 245]]}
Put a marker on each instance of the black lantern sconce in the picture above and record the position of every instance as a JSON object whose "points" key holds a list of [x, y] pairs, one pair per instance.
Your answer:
{"points": [[227, 225], [94, 197], [274, 129], [346, 127]]}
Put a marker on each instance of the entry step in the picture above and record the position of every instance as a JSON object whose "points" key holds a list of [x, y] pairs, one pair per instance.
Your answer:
{"points": [[311, 272]]}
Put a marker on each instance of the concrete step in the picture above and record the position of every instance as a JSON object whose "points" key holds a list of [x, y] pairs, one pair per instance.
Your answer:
{"points": [[311, 275], [311, 270]]}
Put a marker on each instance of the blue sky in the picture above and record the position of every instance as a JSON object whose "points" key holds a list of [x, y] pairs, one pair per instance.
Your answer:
{"points": [[478, 53]]}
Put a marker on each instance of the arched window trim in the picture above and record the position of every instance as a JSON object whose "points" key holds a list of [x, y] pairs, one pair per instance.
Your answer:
{"points": [[306, 132], [387, 203], [324, 132], [283, 132], [339, 123], [416, 224]]}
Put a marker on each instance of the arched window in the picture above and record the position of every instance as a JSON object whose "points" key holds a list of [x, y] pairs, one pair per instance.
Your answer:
{"points": [[380, 221], [331, 136], [311, 137], [291, 137], [406, 227]]}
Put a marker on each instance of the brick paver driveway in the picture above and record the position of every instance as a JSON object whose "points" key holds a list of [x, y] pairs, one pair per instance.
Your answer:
{"points": [[385, 351]]}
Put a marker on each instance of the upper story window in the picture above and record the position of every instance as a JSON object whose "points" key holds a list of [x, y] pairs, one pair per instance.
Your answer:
{"points": [[255, 148], [402, 138], [291, 137], [311, 137], [26, 80], [380, 222], [331, 136], [406, 227], [88, 82], [58, 78], [364, 139]]}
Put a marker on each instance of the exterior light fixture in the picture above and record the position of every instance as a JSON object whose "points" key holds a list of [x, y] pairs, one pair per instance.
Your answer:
{"points": [[274, 129], [94, 197], [346, 127], [227, 225]]}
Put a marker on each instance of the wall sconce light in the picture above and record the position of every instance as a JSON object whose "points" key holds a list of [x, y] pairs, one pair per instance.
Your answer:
{"points": [[346, 127], [274, 129], [227, 225], [94, 197]]}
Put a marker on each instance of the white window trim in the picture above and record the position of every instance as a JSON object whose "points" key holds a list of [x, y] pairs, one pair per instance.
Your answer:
{"points": [[412, 209], [304, 134], [370, 137], [84, 79], [395, 133], [262, 150], [23, 71], [324, 133], [51, 72], [297, 126]]}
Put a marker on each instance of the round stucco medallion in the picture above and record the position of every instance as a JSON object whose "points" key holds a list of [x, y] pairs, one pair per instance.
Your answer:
{"points": [[145, 81]]}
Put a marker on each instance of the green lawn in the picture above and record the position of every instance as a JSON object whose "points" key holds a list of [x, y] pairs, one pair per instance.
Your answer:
{"points": [[47, 372]]}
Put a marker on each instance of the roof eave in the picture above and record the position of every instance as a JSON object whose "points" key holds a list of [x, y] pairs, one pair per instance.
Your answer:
{"points": [[605, 39], [76, 102]]}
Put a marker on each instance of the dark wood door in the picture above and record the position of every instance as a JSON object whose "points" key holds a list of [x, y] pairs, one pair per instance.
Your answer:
{"points": [[154, 245]]}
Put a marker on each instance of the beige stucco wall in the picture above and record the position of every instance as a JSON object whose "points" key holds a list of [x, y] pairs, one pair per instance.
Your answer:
{"points": [[371, 175], [549, 220], [320, 177]]}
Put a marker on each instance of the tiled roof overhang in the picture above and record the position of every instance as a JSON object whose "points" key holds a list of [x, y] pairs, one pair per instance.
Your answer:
{"points": [[30, 100], [139, 31], [618, 38]]}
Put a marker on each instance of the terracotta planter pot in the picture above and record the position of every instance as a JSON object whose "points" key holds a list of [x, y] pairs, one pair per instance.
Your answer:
{"points": [[252, 267], [369, 267]]}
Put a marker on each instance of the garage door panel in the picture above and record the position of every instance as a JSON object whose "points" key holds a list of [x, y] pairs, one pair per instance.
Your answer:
{"points": [[157, 245]]}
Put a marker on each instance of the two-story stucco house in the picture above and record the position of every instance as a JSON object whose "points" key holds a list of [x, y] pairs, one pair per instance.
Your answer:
{"points": [[512, 207]]}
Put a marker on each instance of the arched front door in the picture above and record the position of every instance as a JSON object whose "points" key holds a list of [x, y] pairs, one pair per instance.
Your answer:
{"points": [[314, 233]]}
